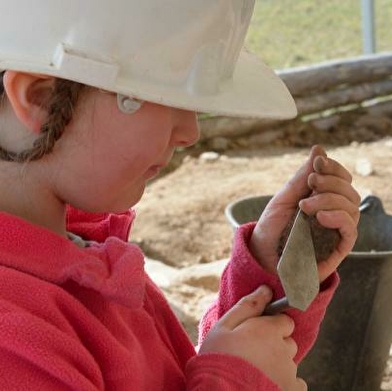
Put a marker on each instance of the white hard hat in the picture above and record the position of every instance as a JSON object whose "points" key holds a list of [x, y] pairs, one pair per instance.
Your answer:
{"points": [[181, 53]]}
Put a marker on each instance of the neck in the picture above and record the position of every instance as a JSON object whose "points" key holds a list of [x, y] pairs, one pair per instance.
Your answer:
{"points": [[25, 193]]}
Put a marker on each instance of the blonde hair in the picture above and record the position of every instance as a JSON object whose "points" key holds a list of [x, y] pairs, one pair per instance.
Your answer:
{"points": [[60, 109]]}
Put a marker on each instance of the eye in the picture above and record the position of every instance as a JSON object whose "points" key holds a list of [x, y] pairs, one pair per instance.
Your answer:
{"points": [[127, 104]]}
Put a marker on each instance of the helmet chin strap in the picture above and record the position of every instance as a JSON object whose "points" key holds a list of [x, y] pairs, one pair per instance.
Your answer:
{"points": [[128, 105]]}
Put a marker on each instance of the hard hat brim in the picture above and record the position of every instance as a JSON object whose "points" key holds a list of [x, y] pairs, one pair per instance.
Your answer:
{"points": [[254, 91]]}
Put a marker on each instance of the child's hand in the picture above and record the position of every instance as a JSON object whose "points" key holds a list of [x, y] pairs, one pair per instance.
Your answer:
{"points": [[333, 201], [264, 341]]}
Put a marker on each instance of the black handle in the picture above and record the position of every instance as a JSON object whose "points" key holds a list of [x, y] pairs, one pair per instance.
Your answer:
{"points": [[277, 307]]}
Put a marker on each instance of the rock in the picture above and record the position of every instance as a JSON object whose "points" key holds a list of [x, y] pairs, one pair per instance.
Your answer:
{"points": [[181, 315], [206, 275], [209, 156], [224, 158], [163, 275], [187, 159], [219, 144], [388, 143], [364, 167], [354, 144]]}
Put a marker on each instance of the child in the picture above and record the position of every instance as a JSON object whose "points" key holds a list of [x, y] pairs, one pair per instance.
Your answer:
{"points": [[95, 97]]}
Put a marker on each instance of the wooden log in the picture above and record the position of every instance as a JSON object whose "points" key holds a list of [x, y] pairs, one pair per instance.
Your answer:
{"points": [[324, 76], [341, 97], [380, 109]]}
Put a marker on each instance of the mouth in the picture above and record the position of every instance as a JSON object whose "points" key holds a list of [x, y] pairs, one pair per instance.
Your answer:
{"points": [[154, 170]]}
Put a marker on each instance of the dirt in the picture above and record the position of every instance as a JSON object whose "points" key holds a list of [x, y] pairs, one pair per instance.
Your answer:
{"points": [[181, 220]]}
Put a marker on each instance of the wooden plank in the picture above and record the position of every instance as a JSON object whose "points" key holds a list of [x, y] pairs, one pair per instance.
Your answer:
{"points": [[328, 75]]}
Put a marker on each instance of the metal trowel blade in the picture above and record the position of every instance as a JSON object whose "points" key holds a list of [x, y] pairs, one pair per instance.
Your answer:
{"points": [[297, 267]]}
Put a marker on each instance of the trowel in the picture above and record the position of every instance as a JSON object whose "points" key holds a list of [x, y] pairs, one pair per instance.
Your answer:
{"points": [[297, 268]]}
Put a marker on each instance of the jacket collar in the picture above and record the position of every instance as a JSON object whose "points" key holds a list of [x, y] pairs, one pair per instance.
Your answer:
{"points": [[114, 268]]}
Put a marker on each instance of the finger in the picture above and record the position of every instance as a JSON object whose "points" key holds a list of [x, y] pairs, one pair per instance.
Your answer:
{"points": [[329, 202], [341, 220], [283, 324], [333, 184], [348, 231], [292, 347], [248, 307], [301, 385], [317, 150], [297, 186], [295, 384], [327, 166]]}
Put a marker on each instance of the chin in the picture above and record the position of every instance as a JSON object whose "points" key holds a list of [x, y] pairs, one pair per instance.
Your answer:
{"points": [[109, 208], [125, 201], [126, 204]]}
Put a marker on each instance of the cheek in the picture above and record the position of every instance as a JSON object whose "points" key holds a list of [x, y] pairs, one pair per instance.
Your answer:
{"points": [[146, 145], [138, 139]]}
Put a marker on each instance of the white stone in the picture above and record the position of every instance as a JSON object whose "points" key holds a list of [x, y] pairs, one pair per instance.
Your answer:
{"points": [[209, 156], [162, 274], [388, 142], [364, 167], [205, 275]]}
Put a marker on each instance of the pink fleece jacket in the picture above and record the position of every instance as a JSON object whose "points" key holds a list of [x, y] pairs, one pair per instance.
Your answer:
{"points": [[88, 319]]}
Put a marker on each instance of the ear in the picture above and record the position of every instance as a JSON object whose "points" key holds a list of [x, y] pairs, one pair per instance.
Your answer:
{"points": [[28, 95]]}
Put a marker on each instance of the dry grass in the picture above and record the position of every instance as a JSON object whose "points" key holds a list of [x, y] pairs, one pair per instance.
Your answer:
{"points": [[287, 33]]}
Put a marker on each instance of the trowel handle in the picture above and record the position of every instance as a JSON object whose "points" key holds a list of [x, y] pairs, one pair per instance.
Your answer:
{"points": [[277, 307]]}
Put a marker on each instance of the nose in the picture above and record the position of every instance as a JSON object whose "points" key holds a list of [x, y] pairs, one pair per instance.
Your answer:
{"points": [[186, 130]]}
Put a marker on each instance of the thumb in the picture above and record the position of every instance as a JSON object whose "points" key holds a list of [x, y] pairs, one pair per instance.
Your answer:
{"points": [[248, 307], [297, 186]]}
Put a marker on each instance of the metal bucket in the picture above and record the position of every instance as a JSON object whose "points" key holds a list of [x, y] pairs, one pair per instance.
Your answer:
{"points": [[355, 337]]}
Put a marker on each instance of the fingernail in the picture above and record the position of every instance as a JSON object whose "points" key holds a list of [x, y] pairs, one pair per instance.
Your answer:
{"points": [[319, 163], [264, 290]]}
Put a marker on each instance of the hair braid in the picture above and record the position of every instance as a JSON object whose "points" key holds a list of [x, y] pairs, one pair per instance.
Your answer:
{"points": [[61, 105], [1, 84]]}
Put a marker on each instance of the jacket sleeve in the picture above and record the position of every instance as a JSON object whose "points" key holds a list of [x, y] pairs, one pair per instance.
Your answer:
{"points": [[243, 275], [214, 371]]}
